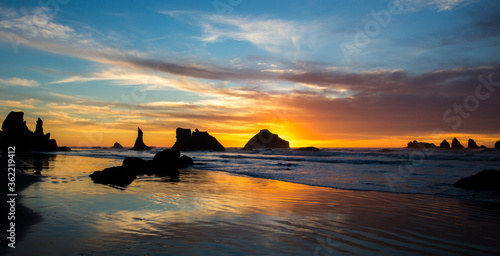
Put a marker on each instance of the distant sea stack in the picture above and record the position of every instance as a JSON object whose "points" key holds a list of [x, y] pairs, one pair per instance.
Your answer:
{"points": [[117, 146], [139, 143], [497, 144], [313, 149], [472, 144], [266, 139], [445, 144], [416, 144], [455, 144], [195, 141], [16, 133]]}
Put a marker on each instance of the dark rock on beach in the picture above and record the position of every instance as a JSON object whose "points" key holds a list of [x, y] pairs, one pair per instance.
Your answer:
{"points": [[195, 141], [16, 133], [307, 149], [186, 161], [455, 144], [471, 144], [497, 144], [266, 139], [139, 142], [445, 144], [117, 146], [117, 175], [486, 180], [165, 163], [420, 145]]}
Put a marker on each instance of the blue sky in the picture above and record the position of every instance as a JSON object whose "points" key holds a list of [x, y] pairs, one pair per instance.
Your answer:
{"points": [[233, 67]]}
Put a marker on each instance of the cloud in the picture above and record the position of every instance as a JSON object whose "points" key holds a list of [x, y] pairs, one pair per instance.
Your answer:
{"points": [[322, 98], [439, 5], [37, 24], [23, 104], [15, 81], [273, 35]]}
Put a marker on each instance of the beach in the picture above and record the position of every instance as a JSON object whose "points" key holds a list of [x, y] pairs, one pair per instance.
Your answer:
{"points": [[216, 213]]}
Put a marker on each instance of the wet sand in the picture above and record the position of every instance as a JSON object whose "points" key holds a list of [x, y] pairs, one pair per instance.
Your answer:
{"points": [[24, 217], [215, 213]]}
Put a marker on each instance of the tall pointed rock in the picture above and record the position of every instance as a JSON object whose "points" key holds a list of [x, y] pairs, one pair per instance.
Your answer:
{"points": [[139, 142]]}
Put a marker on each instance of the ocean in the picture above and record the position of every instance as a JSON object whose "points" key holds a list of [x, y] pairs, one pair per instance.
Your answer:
{"points": [[398, 170], [277, 202]]}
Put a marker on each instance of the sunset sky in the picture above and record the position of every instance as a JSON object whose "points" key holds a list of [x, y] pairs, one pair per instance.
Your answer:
{"points": [[357, 73]]}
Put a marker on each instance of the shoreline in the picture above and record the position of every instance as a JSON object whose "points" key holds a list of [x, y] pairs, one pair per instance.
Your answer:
{"points": [[467, 194], [25, 217], [155, 215]]}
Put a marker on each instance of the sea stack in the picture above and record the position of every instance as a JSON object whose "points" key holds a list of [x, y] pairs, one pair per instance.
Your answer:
{"points": [[117, 146], [455, 144], [497, 144], [266, 139], [195, 141], [139, 143], [16, 133], [420, 145], [445, 144], [472, 144]]}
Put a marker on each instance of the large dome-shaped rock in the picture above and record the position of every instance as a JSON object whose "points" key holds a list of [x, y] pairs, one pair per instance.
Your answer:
{"points": [[16, 133], [455, 144], [139, 142], [266, 139], [487, 180], [471, 144], [497, 144], [195, 141], [445, 144]]}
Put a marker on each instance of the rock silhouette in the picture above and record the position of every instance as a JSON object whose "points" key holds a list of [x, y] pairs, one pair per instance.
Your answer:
{"points": [[195, 141], [471, 144], [445, 144], [307, 149], [487, 180], [266, 139], [16, 133], [139, 142], [455, 144], [497, 144], [117, 146], [165, 163], [421, 145]]}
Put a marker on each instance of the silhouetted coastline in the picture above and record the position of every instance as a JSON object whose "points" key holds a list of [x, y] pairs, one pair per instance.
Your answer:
{"points": [[15, 133]]}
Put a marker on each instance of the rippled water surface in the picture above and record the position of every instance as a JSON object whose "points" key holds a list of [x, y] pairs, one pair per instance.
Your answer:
{"points": [[206, 212]]}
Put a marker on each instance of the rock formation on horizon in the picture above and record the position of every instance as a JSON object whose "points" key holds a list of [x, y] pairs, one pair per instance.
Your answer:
{"points": [[455, 144], [16, 133], [117, 146], [497, 144], [139, 142], [421, 145], [308, 149], [471, 144], [195, 141], [266, 139], [445, 144]]}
